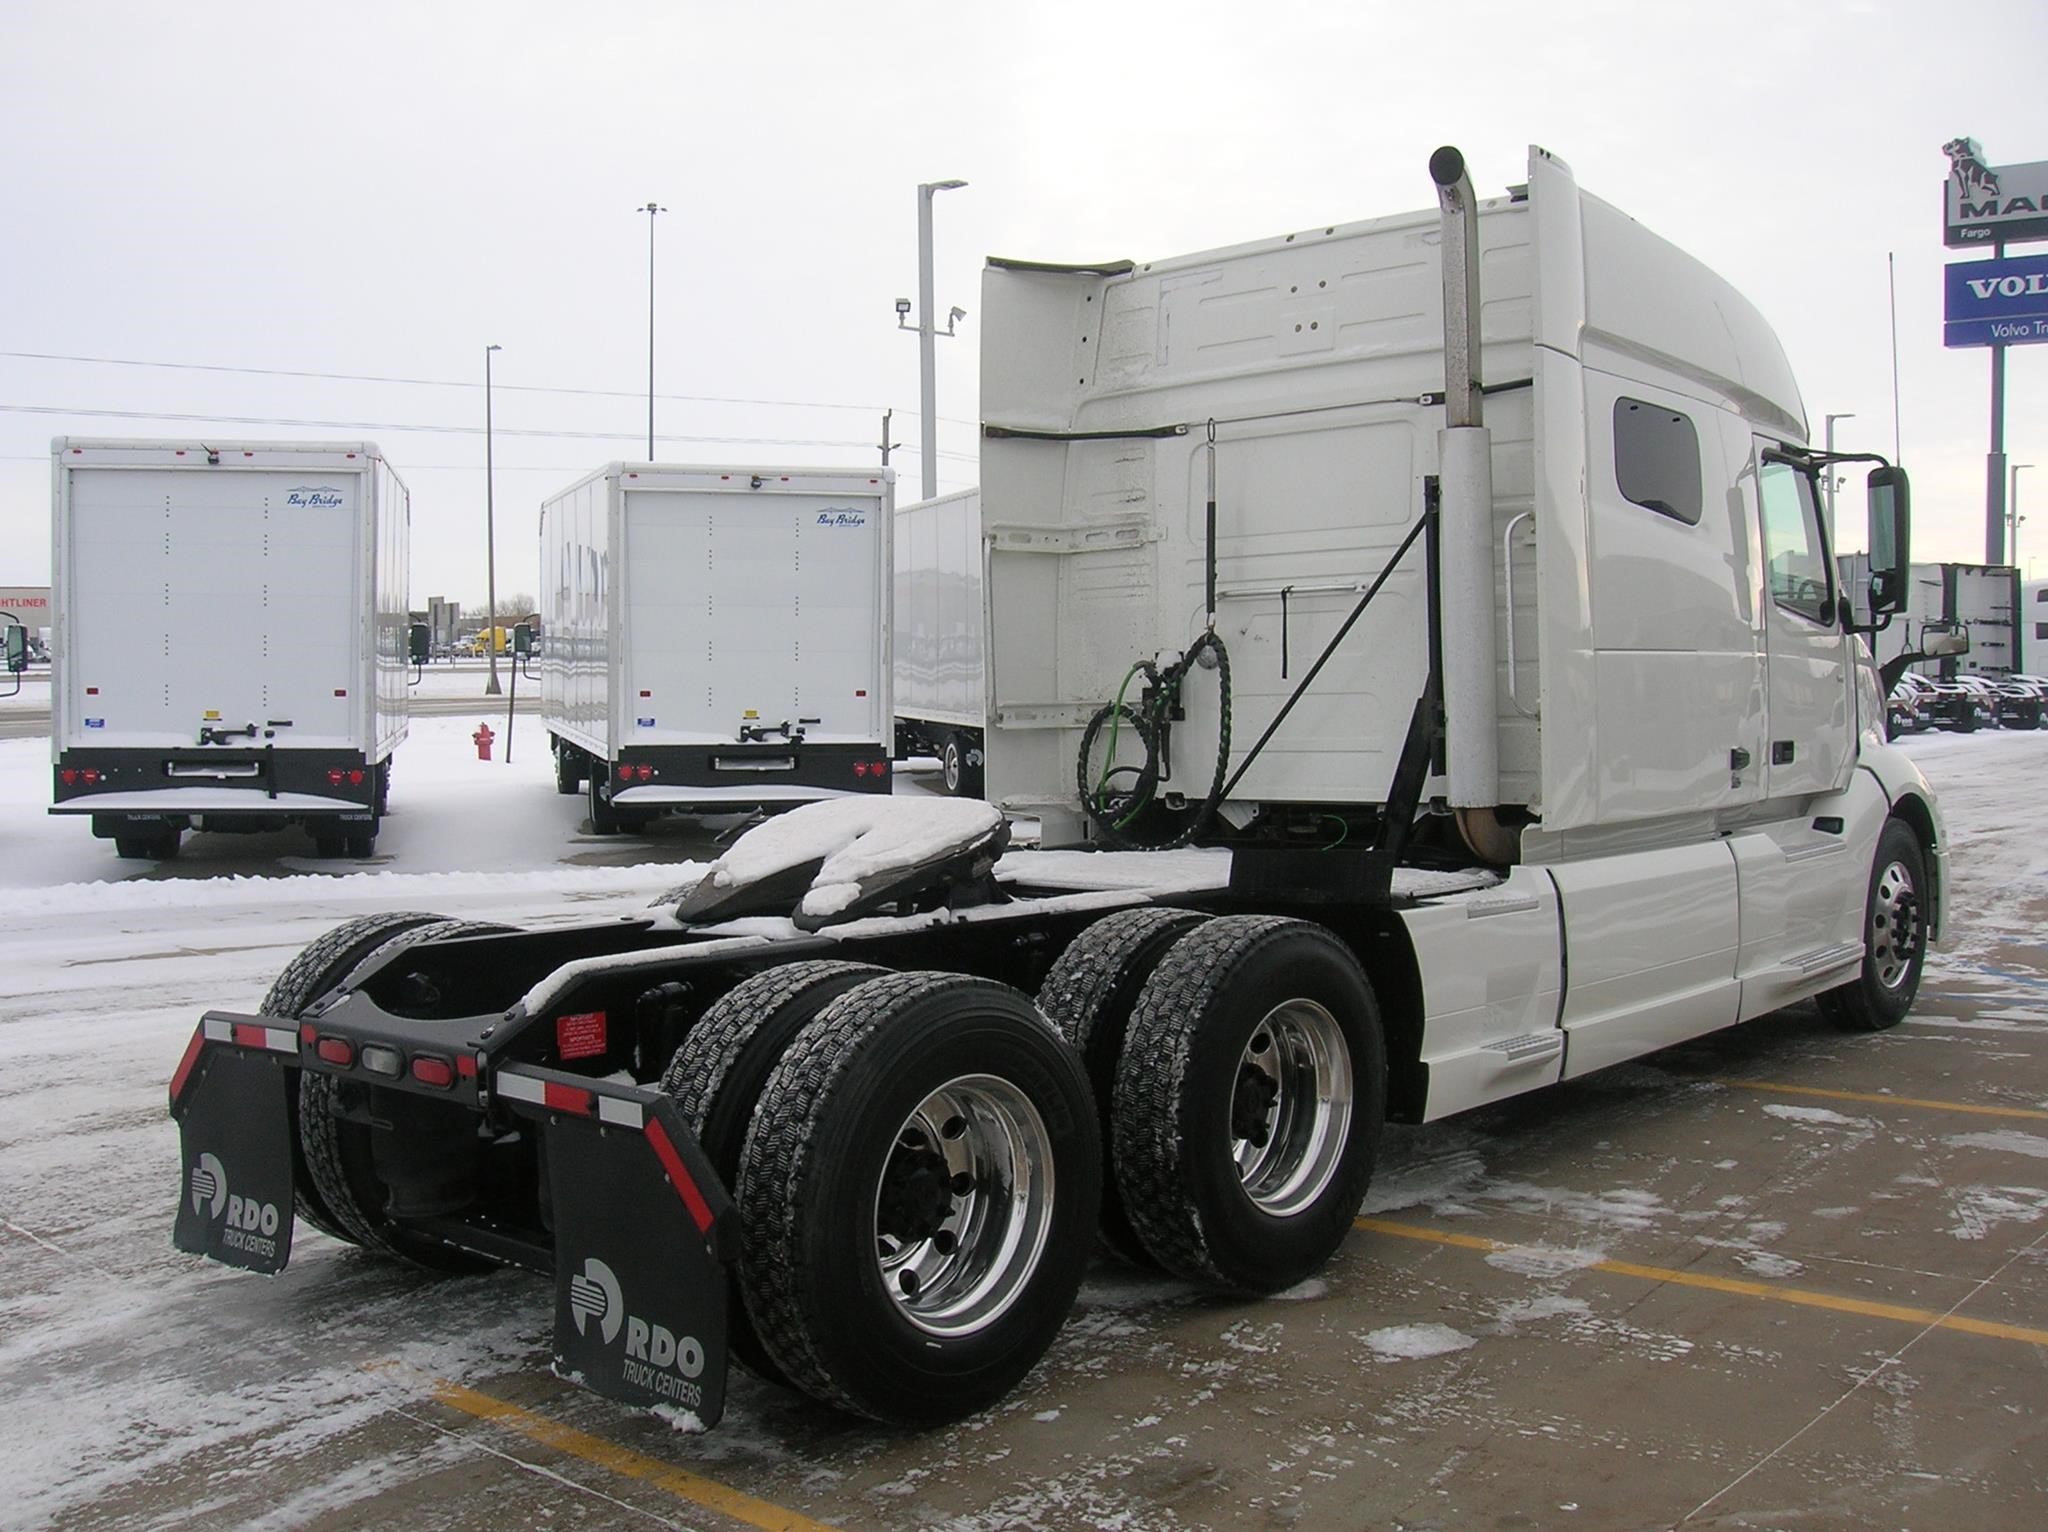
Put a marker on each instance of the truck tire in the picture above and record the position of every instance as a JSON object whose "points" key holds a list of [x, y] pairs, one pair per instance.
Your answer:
{"points": [[604, 819], [327, 844], [917, 1197], [337, 1151], [568, 776], [717, 1074], [1249, 1101], [358, 845], [319, 967], [962, 778], [1088, 995], [1894, 937], [381, 804]]}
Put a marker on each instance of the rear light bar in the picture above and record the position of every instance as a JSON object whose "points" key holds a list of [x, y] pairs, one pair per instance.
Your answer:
{"points": [[871, 768], [354, 776], [73, 776], [631, 772]]}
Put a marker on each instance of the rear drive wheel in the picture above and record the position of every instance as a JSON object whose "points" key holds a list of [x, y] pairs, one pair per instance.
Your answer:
{"points": [[957, 770], [917, 1197], [318, 968], [339, 1154], [1894, 937], [358, 844], [1088, 995], [326, 845], [717, 1074], [1249, 1100], [148, 846]]}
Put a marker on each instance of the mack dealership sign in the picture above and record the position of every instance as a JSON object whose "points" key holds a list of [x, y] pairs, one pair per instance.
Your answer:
{"points": [[1996, 303], [1986, 204]]}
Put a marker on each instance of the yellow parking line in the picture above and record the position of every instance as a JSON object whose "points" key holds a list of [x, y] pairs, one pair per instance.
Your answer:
{"points": [[1739, 1286], [1880, 1100], [679, 1482]]}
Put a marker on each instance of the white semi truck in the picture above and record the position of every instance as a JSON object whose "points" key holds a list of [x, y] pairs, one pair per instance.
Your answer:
{"points": [[717, 638], [941, 674], [1502, 668], [230, 639]]}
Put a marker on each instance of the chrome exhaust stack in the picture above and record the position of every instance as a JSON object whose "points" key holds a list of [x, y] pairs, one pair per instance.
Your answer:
{"points": [[1466, 600]]}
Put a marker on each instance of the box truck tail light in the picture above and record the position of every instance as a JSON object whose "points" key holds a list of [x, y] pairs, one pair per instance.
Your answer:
{"points": [[429, 1070], [646, 773], [68, 776], [334, 776], [89, 777], [355, 777]]}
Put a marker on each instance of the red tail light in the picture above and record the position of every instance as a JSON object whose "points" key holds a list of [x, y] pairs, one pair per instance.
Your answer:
{"points": [[860, 768], [429, 1070], [338, 1051], [355, 777], [334, 776], [89, 777], [68, 776]]}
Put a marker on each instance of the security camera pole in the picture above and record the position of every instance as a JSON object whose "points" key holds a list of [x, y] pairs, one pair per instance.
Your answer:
{"points": [[927, 362]]}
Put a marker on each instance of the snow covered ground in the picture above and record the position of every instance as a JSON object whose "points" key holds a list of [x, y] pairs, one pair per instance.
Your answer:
{"points": [[136, 1377]]}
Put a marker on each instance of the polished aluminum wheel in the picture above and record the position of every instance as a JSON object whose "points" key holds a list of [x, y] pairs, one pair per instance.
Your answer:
{"points": [[964, 1205], [1291, 1107], [1894, 925]]}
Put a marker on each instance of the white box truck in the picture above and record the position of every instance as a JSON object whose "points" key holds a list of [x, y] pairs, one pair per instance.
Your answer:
{"points": [[231, 638], [940, 675], [1471, 818], [717, 638]]}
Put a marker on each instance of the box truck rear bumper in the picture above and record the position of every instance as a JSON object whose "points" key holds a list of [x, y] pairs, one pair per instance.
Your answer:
{"points": [[210, 800], [763, 792]]}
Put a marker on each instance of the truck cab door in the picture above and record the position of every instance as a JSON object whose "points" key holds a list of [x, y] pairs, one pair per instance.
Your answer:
{"points": [[1809, 712]]}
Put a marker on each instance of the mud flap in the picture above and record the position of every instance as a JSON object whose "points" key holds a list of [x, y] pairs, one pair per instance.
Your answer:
{"points": [[234, 1127], [641, 1226]]}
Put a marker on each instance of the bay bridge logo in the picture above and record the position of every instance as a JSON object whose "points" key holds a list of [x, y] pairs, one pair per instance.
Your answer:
{"points": [[842, 518], [316, 497]]}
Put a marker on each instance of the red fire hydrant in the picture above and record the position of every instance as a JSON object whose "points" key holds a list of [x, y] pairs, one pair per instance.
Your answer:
{"points": [[483, 738]]}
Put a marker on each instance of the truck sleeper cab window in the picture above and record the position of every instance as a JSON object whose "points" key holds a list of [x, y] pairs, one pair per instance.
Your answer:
{"points": [[1657, 459], [1795, 544]]}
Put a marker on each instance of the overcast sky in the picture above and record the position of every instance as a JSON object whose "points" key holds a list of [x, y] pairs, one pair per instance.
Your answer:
{"points": [[383, 189]]}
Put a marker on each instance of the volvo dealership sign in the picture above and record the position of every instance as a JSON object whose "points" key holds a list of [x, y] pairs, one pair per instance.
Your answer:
{"points": [[1995, 303], [1987, 204]]}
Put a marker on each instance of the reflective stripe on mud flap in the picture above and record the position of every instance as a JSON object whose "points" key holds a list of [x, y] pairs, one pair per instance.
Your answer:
{"points": [[250, 1034]]}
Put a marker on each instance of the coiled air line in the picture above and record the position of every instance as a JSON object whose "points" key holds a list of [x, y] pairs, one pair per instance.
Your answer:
{"points": [[1114, 807]]}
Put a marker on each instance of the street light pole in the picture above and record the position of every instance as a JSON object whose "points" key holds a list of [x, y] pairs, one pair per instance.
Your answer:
{"points": [[1829, 432], [490, 539], [927, 334], [650, 210]]}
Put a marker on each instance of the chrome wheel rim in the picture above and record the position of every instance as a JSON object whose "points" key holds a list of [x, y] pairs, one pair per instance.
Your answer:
{"points": [[1291, 1107], [949, 767], [1894, 925], [964, 1205]]}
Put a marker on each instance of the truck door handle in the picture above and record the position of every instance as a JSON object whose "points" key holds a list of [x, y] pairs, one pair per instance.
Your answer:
{"points": [[1781, 752], [1738, 759]]}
